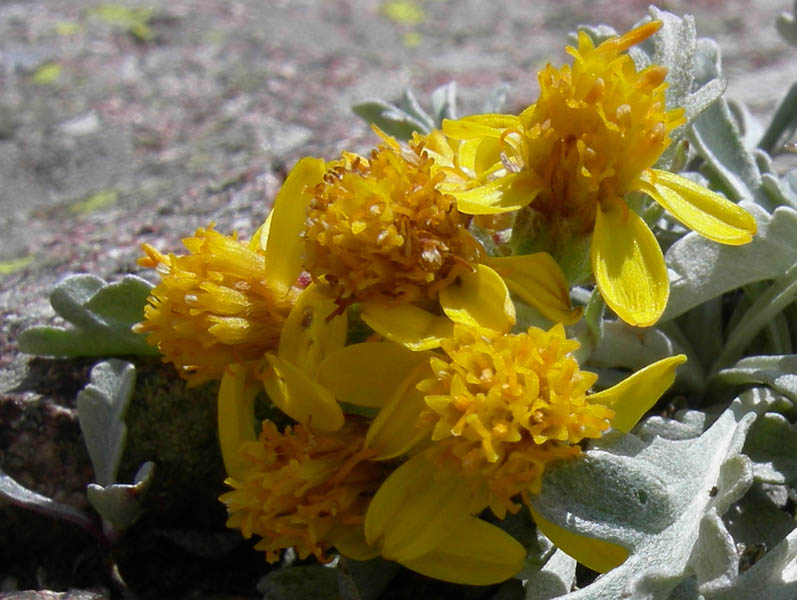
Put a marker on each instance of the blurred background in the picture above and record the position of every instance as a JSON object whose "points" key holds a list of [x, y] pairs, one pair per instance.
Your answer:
{"points": [[128, 122]]}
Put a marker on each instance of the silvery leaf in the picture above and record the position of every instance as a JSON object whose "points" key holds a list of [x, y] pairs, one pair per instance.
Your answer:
{"points": [[778, 372], [390, 119], [101, 316], [101, 409], [775, 573], [555, 579], [772, 446], [444, 103], [700, 269], [663, 500], [120, 504], [622, 345], [716, 136], [17, 494]]}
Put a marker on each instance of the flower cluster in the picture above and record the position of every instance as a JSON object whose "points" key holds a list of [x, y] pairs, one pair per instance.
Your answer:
{"points": [[408, 310]]}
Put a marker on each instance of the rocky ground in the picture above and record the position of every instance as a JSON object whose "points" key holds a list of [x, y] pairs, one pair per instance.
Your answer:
{"points": [[120, 126]]}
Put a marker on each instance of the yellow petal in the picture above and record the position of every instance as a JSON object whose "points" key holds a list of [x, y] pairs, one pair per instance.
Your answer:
{"points": [[505, 194], [629, 266], [406, 324], [259, 239], [301, 398], [483, 154], [367, 374], [479, 298], [477, 553], [710, 214], [598, 555], [538, 279], [415, 509], [476, 126], [236, 417], [309, 335], [634, 395], [284, 249], [350, 542], [395, 430]]}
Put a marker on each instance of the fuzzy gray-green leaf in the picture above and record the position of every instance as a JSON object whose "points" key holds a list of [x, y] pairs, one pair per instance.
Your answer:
{"points": [[69, 298], [772, 301], [700, 269], [554, 579], [444, 103], [121, 504], [778, 372], [496, 99], [17, 494], [772, 445], [411, 106], [120, 302], [622, 345], [716, 136], [775, 573], [676, 47], [100, 315], [390, 119], [701, 478], [101, 409], [717, 139]]}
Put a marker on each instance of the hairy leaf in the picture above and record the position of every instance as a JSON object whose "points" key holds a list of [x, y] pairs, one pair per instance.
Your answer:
{"points": [[700, 269], [772, 446], [663, 500], [775, 573], [121, 504], [101, 409], [622, 345], [778, 372], [17, 494], [390, 119], [101, 316], [555, 579], [676, 48]]}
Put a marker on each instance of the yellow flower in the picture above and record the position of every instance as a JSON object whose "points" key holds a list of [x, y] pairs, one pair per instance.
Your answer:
{"points": [[377, 229], [303, 489], [378, 232], [213, 306], [592, 137], [492, 409], [222, 311], [508, 404], [310, 490]]}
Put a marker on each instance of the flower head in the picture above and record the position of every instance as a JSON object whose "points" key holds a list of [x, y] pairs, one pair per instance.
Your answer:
{"points": [[507, 404], [378, 229], [596, 127], [592, 137], [481, 419], [213, 306], [310, 490], [302, 489]]}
